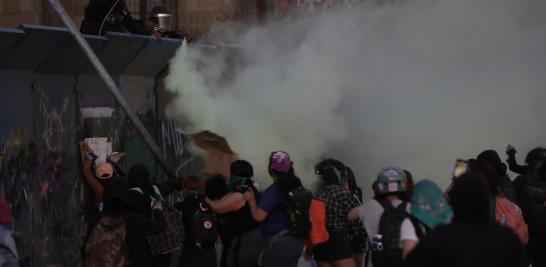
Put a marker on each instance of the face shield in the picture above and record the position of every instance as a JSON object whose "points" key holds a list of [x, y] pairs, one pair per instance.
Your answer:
{"points": [[161, 16], [163, 21]]}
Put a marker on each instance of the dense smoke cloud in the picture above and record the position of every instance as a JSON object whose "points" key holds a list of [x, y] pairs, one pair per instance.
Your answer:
{"points": [[416, 83]]}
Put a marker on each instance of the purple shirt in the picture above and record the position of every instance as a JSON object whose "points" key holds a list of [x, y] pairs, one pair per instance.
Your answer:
{"points": [[273, 203]]}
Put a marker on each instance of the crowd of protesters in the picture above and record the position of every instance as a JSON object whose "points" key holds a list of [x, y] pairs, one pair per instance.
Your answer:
{"points": [[483, 218]]}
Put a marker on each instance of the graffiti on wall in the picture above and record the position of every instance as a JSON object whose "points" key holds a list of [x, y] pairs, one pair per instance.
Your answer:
{"points": [[39, 176]]}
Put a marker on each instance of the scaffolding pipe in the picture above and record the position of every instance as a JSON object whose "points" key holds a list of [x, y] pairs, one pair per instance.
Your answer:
{"points": [[112, 86]]}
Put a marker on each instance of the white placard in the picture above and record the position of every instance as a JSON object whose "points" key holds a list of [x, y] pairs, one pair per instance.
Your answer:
{"points": [[100, 147]]}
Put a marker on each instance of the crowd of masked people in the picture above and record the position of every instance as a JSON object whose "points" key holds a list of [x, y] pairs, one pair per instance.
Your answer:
{"points": [[484, 218]]}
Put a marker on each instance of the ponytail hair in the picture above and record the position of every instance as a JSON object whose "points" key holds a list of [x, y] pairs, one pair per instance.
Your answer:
{"points": [[286, 180], [331, 172]]}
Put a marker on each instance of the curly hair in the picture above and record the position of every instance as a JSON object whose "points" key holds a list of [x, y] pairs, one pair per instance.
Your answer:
{"points": [[331, 172]]}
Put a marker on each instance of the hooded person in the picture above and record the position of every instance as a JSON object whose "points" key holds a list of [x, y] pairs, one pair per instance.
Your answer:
{"points": [[103, 16], [533, 204], [282, 249], [382, 216], [471, 240], [533, 162], [119, 228], [532, 159], [506, 187], [144, 192], [429, 209]]}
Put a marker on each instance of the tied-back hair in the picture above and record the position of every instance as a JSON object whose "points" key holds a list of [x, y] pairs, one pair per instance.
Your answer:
{"points": [[286, 180], [139, 176], [242, 168], [331, 172]]}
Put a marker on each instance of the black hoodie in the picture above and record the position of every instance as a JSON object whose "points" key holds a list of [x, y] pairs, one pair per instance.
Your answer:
{"points": [[118, 201], [109, 15], [470, 241]]}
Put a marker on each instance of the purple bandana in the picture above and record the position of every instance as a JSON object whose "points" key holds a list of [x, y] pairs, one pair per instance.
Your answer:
{"points": [[280, 161]]}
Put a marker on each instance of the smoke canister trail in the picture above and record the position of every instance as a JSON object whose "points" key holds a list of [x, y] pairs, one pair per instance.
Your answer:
{"points": [[416, 83]]}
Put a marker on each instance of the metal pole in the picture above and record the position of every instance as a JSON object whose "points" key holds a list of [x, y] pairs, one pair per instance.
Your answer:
{"points": [[112, 86]]}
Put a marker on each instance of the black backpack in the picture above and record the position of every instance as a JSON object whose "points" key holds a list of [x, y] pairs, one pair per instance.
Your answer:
{"points": [[203, 228], [297, 208], [421, 229], [389, 227]]}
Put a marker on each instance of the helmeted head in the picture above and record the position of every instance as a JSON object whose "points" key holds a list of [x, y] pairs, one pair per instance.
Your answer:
{"points": [[390, 180], [161, 16]]}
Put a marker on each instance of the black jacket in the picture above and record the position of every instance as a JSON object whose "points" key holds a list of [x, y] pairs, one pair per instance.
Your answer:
{"points": [[143, 200], [138, 229], [468, 244], [514, 166], [109, 15]]}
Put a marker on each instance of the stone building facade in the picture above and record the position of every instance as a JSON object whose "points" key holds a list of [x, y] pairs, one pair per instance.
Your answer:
{"points": [[193, 16]]}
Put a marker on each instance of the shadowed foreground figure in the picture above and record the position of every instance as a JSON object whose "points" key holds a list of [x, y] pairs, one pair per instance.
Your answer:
{"points": [[471, 240]]}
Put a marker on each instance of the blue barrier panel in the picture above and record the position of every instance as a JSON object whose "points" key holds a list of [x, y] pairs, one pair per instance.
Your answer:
{"points": [[68, 58], [36, 45], [119, 52], [8, 39], [153, 57]]}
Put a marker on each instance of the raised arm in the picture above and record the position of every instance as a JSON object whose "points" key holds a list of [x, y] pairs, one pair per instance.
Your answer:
{"points": [[88, 176], [258, 214], [230, 202]]}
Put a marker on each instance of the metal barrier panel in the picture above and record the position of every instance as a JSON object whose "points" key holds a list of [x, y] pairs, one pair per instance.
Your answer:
{"points": [[35, 46], [8, 39], [46, 82], [67, 58]]}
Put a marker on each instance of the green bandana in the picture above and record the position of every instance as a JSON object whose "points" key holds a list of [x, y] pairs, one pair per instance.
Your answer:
{"points": [[234, 181]]}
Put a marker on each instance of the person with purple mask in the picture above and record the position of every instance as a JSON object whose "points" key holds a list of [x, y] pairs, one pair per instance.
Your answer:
{"points": [[283, 249]]}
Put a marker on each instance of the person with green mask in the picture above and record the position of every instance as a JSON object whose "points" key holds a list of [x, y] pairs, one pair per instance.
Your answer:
{"points": [[246, 242], [428, 210]]}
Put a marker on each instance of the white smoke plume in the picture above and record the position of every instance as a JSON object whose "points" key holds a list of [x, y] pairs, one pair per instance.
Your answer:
{"points": [[417, 83]]}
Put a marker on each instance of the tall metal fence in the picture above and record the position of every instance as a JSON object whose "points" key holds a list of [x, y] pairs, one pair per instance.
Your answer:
{"points": [[45, 83]]}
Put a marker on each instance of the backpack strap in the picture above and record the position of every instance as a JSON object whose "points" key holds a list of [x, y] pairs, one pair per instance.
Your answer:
{"points": [[137, 189], [157, 192], [387, 205], [270, 244], [418, 225]]}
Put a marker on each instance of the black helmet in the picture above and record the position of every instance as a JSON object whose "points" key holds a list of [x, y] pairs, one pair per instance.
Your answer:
{"points": [[161, 15]]}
